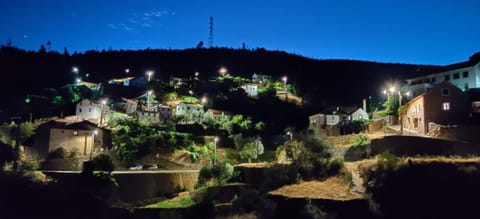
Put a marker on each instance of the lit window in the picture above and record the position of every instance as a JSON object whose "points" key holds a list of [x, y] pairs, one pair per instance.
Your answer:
{"points": [[446, 106]]}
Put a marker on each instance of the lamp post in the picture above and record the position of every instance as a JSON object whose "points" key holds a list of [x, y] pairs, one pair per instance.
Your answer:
{"points": [[290, 135], [284, 79], [215, 150], [93, 143], [148, 99], [223, 71], [400, 96], [101, 112], [149, 74]]}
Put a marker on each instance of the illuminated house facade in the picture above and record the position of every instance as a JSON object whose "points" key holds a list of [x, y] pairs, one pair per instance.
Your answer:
{"points": [[83, 137], [464, 75], [444, 104], [92, 111], [250, 89]]}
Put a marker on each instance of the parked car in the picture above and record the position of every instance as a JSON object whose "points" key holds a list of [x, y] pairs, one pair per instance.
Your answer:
{"points": [[150, 167], [136, 167]]}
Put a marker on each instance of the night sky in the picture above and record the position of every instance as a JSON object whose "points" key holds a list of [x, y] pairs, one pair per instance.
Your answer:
{"points": [[419, 32]]}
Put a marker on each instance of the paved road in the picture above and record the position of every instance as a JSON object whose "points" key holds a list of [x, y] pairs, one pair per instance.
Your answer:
{"points": [[129, 171]]}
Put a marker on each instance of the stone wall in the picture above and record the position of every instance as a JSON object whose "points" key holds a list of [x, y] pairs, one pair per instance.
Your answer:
{"points": [[412, 146]]}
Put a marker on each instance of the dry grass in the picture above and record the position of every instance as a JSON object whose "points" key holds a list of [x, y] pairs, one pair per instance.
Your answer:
{"points": [[255, 165], [443, 159], [333, 188]]}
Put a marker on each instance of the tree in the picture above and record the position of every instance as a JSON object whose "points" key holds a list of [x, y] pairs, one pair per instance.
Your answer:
{"points": [[7, 154], [103, 162], [249, 147]]}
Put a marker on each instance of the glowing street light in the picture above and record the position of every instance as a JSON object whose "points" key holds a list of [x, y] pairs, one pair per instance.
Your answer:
{"points": [[127, 70], [223, 71], [75, 69], [78, 80], [102, 111], [197, 74], [391, 90], [204, 100], [215, 140], [149, 74], [284, 79], [290, 135]]}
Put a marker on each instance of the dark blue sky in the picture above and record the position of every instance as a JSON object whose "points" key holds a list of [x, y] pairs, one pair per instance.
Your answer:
{"points": [[407, 31]]}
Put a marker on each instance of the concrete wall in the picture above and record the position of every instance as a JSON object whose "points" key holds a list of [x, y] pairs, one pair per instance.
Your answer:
{"points": [[80, 140], [139, 186]]}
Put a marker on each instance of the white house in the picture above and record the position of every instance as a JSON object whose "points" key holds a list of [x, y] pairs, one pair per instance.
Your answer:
{"points": [[92, 111], [333, 116], [250, 89], [189, 112], [464, 75]]}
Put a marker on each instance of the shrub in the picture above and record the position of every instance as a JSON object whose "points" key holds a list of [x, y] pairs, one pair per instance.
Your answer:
{"points": [[58, 153], [334, 165], [30, 166], [387, 161], [103, 162], [276, 177], [251, 200], [220, 173], [312, 211]]}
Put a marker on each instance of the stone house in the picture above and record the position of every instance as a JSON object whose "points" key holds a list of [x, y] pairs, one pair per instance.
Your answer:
{"points": [[82, 137], [444, 104]]}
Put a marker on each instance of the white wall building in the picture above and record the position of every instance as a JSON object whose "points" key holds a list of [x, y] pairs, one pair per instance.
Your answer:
{"points": [[250, 89], [464, 75], [190, 112], [92, 111]]}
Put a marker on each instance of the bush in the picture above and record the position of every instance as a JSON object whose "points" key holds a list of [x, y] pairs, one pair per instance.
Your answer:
{"points": [[30, 166], [387, 161], [220, 173], [276, 177], [103, 162], [58, 153], [312, 211], [250, 200], [334, 165]]}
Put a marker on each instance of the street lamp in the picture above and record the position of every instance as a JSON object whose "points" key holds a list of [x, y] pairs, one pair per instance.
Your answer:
{"points": [[204, 100], [223, 71], [290, 135], [75, 69], [149, 74], [215, 150], [400, 96], [127, 70], [284, 79], [93, 143], [101, 112], [148, 99]]}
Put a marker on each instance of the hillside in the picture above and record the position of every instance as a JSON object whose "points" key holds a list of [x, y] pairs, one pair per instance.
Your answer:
{"points": [[332, 81]]}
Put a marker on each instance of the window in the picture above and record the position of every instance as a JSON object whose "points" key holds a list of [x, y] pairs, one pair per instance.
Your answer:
{"points": [[456, 76], [79, 110], [446, 106], [447, 77], [465, 74], [433, 80], [445, 92], [89, 110]]}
